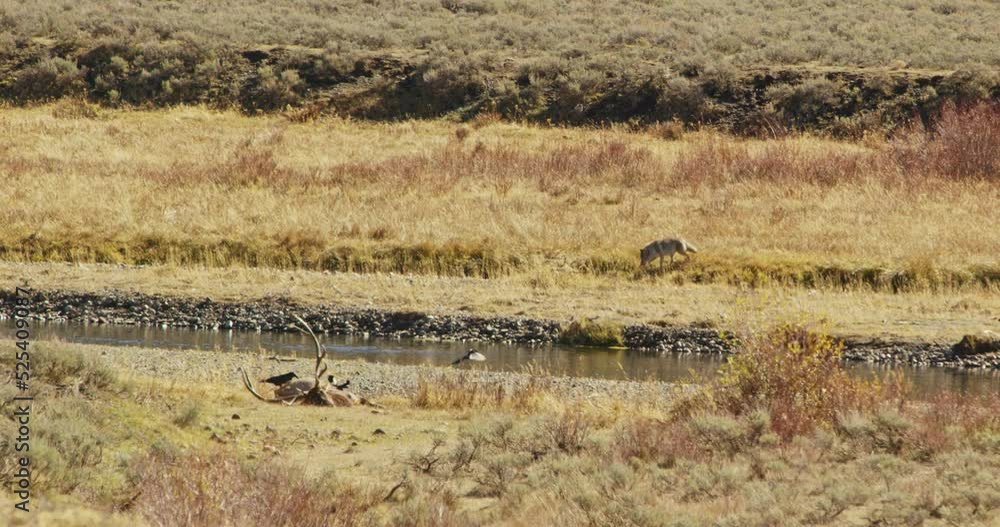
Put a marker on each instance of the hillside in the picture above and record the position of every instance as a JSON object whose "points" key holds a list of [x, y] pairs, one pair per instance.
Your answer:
{"points": [[758, 68]]}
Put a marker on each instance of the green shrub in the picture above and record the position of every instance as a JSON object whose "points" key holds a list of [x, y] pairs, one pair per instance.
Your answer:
{"points": [[970, 85], [885, 431], [809, 103], [69, 367], [49, 78], [682, 99], [273, 90], [719, 433], [592, 333], [568, 431], [189, 415]]}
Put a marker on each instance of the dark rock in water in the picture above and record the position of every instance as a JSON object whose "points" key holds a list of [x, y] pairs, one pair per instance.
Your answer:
{"points": [[978, 344]]}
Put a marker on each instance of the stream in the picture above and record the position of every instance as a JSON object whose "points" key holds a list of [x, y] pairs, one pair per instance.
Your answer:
{"points": [[604, 363]]}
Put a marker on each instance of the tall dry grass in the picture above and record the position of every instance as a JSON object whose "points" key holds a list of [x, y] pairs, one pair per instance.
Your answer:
{"points": [[959, 146], [784, 436], [468, 390], [189, 186], [217, 488], [962, 144]]}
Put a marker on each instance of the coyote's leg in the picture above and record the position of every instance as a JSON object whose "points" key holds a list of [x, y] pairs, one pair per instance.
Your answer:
{"points": [[661, 262]]}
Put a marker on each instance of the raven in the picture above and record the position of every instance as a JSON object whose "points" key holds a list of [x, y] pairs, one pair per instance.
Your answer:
{"points": [[278, 380]]}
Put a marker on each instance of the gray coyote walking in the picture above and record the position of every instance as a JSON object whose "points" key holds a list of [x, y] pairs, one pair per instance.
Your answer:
{"points": [[666, 247]]}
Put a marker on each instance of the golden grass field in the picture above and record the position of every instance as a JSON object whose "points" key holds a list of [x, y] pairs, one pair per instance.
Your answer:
{"points": [[195, 186], [499, 218], [728, 114]]}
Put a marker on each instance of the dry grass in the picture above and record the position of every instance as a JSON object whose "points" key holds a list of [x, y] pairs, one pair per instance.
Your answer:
{"points": [[217, 488], [933, 462], [802, 445], [464, 391], [189, 186]]}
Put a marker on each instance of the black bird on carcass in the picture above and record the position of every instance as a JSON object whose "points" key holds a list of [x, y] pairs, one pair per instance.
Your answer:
{"points": [[278, 380]]}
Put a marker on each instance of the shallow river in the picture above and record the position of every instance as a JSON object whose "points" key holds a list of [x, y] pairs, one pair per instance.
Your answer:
{"points": [[553, 359]]}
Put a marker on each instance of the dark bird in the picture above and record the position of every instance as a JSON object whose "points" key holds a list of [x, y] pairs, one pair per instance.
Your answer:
{"points": [[470, 355], [278, 380], [344, 385]]}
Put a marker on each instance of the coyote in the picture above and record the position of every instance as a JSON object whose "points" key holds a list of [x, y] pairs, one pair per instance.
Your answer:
{"points": [[666, 247]]}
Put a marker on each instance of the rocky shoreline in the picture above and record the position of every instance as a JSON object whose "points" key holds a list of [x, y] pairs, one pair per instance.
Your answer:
{"points": [[276, 315]]}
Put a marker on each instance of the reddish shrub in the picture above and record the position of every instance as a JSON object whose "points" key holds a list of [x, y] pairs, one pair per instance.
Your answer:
{"points": [[795, 374], [720, 161], [962, 144]]}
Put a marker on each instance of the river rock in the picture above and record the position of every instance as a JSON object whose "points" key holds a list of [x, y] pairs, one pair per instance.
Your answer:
{"points": [[981, 343]]}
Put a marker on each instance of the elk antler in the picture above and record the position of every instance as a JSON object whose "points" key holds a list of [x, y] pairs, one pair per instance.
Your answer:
{"points": [[320, 352], [320, 394], [249, 386]]}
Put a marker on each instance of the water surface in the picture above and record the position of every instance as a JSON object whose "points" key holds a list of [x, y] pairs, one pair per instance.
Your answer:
{"points": [[554, 359]]}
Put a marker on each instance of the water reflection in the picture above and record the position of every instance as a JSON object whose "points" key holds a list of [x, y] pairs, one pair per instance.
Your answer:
{"points": [[558, 360]]}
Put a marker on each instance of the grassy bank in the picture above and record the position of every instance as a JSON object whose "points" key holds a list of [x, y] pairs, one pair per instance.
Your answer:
{"points": [[195, 187], [755, 446], [943, 316]]}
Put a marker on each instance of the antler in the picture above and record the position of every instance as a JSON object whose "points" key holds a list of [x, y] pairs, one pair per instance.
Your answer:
{"points": [[319, 394], [249, 386], [320, 352]]}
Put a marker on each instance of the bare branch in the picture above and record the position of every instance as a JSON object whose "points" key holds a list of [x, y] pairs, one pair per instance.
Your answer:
{"points": [[403, 482], [281, 359]]}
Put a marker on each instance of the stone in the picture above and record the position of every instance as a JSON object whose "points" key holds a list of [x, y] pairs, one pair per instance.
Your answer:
{"points": [[976, 344]]}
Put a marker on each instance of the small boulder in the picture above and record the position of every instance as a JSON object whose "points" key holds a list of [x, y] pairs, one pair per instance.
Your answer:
{"points": [[979, 343]]}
